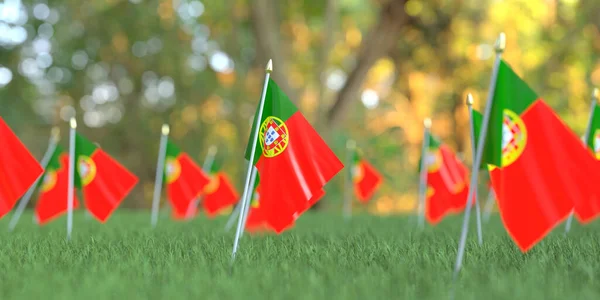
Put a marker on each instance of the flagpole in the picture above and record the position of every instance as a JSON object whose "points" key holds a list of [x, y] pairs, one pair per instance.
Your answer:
{"points": [[586, 136], [235, 212], [489, 205], [233, 215], [252, 181], [500, 45], [245, 195], [350, 148], [206, 166], [71, 174], [477, 208], [160, 168], [54, 137], [423, 173]]}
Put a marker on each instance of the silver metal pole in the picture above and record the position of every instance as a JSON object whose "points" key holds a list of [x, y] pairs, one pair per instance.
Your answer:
{"points": [[477, 207], [160, 168], [71, 184], [245, 195], [423, 173], [500, 45], [350, 148]]}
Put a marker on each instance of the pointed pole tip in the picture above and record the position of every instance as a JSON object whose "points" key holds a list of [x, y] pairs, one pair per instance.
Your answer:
{"points": [[73, 123], [469, 99], [269, 67], [427, 122], [501, 42], [55, 133], [212, 150], [165, 129], [350, 144]]}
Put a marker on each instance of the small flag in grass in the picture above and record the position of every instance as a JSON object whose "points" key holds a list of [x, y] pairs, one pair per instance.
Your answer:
{"points": [[366, 179], [52, 200], [293, 161], [104, 181], [184, 179], [539, 168], [219, 194], [447, 186]]}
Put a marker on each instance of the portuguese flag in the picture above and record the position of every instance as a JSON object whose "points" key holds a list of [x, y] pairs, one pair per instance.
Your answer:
{"points": [[218, 193], [366, 179], [540, 169], [257, 222], [447, 182], [18, 169], [293, 161], [104, 181], [184, 179], [593, 140], [53, 192]]}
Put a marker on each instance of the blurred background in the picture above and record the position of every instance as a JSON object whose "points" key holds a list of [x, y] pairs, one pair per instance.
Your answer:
{"points": [[370, 70]]}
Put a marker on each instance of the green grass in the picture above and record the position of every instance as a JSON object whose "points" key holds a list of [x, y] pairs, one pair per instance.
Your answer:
{"points": [[322, 258]]}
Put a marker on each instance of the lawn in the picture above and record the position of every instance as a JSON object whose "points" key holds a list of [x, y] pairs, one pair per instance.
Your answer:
{"points": [[324, 257]]}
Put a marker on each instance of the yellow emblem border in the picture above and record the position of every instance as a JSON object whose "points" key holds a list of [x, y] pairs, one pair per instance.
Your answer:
{"points": [[92, 171], [511, 157], [171, 177], [49, 183], [261, 137]]}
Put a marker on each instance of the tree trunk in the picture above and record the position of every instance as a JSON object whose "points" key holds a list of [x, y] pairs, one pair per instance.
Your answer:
{"points": [[380, 40]]}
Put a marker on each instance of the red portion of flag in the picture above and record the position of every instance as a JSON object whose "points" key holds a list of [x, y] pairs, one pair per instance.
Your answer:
{"points": [[187, 187], [18, 169], [537, 191], [292, 178], [257, 217], [223, 195], [447, 186], [53, 201], [111, 183], [368, 181]]}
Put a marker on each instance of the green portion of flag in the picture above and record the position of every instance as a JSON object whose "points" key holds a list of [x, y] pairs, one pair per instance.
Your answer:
{"points": [[83, 148], [277, 104], [594, 131], [214, 167], [172, 150], [53, 164], [513, 94], [477, 119]]}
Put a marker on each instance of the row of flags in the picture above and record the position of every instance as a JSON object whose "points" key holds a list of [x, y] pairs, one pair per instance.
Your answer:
{"points": [[293, 166], [541, 172]]}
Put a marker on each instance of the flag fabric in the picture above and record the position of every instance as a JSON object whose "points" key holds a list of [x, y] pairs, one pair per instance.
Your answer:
{"points": [[593, 140], [18, 169], [104, 181], [364, 176], [538, 166], [219, 194], [256, 220], [184, 179], [477, 119], [447, 182], [53, 189], [293, 161]]}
